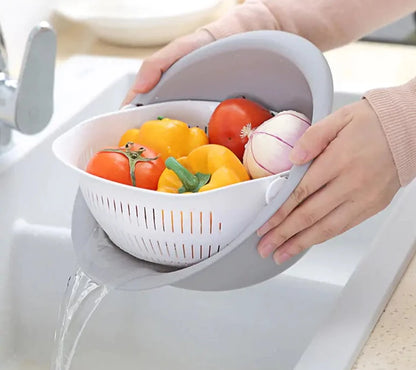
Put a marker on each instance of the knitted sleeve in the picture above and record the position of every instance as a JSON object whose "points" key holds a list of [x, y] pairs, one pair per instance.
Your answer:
{"points": [[326, 23], [396, 111]]}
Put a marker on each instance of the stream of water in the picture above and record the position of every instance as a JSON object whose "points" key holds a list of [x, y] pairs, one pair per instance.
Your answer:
{"points": [[84, 294], [81, 299]]}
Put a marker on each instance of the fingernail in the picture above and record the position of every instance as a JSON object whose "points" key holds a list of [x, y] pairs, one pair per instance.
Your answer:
{"points": [[140, 85], [281, 257], [262, 230], [298, 155], [141, 82], [129, 97], [266, 250]]}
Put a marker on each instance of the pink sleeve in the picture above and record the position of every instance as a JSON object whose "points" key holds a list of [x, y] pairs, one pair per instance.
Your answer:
{"points": [[396, 111], [326, 23]]}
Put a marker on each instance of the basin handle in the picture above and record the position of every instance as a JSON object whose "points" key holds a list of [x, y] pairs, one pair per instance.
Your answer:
{"points": [[34, 95]]}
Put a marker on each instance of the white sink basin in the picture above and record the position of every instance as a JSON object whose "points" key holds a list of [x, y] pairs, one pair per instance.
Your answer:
{"points": [[315, 316]]}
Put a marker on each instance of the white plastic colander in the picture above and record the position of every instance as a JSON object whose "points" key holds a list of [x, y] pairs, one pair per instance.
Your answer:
{"points": [[170, 229], [281, 71]]}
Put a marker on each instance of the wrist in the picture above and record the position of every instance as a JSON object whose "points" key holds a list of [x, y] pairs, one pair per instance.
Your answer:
{"points": [[396, 110]]}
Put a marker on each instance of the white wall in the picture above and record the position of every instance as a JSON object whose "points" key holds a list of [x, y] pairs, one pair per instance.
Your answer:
{"points": [[17, 18]]}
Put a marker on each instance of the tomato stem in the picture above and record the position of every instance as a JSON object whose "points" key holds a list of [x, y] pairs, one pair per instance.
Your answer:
{"points": [[133, 157], [191, 183]]}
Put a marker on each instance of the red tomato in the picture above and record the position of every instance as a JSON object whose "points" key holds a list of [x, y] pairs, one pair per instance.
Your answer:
{"points": [[113, 164], [230, 117]]}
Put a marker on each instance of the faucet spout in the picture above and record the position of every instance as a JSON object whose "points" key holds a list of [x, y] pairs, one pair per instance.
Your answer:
{"points": [[26, 105], [3, 55]]}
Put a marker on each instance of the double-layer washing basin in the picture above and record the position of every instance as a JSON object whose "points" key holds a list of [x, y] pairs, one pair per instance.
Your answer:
{"points": [[316, 315]]}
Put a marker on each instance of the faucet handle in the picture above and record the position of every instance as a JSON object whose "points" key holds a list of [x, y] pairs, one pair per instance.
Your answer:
{"points": [[34, 95]]}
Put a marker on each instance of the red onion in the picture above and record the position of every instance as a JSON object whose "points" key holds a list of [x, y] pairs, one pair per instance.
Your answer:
{"points": [[268, 147]]}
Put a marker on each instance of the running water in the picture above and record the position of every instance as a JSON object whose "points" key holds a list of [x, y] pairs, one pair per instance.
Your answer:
{"points": [[111, 269], [82, 297]]}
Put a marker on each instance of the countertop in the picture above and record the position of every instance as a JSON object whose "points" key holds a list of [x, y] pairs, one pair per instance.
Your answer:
{"points": [[360, 65], [392, 343]]}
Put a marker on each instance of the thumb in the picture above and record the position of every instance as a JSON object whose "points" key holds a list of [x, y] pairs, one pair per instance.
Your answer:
{"points": [[317, 137], [154, 66]]}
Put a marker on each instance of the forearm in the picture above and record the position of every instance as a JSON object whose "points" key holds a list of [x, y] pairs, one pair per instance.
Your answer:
{"points": [[326, 23]]}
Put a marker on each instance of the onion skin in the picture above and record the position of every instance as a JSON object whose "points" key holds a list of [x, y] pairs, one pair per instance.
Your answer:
{"points": [[269, 145]]}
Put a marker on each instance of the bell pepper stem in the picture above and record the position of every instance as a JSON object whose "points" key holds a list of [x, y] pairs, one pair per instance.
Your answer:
{"points": [[191, 183]]}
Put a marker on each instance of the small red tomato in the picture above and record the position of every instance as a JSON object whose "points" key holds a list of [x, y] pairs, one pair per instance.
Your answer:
{"points": [[228, 120], [132, 164]]}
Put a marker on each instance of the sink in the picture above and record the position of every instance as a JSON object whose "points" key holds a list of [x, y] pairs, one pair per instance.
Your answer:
{"points": [[316, 315]]}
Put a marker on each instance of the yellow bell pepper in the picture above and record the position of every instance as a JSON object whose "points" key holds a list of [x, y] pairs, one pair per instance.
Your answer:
{"points": [[130, 136], [205, 168], [167, 137]]}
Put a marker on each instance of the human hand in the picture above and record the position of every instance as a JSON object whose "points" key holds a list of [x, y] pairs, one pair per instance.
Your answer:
{"points": [[154, 66], [352, 178]]}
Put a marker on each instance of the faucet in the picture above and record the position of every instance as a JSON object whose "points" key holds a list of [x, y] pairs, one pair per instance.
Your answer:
{"points": [[26, 104]]}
